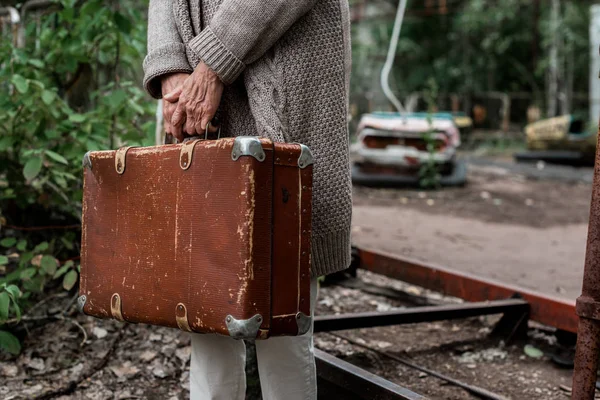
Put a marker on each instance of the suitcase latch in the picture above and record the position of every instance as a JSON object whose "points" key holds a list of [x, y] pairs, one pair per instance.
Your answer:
{"points": [[303, 321], [120, 159], [306, 157], [187, 151], [115, 307], [247, 146], [243, 328], [181, 317], [87, 162], [81, 302]]}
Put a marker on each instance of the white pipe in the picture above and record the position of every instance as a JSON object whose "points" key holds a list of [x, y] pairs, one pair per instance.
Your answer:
{"points": [[389, 62], [13, 14]]}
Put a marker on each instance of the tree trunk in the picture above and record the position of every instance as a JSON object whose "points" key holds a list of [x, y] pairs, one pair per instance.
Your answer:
{"points": [[553, 73]]}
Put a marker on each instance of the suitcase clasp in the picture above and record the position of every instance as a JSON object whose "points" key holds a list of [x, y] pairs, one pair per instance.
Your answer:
{"points": [[87, 162], [120, 159], [81, 302], [181, 318], [115, 307], [247, 146], [243, 328], [187, 151], [306, 157], [303, 321]]}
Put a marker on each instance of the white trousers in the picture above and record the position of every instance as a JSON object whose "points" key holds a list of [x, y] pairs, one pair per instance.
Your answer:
{"points": [[286, 366]]}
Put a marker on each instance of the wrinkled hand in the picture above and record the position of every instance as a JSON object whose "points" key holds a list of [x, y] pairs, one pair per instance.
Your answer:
{"points": [[171, 83], [197, 102]]}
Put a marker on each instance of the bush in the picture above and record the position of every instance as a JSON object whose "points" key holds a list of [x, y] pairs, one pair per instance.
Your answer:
{"points": [[73, 87]]}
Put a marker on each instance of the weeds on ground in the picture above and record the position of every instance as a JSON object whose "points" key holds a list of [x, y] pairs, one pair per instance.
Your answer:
{"points": [[429, 176]]}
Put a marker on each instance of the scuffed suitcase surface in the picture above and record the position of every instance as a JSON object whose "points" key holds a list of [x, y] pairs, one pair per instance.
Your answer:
{"points": [[171, 241], [292, 195]]}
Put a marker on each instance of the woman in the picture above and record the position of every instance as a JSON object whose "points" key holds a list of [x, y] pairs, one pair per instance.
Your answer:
{"points": [[272, 68]]}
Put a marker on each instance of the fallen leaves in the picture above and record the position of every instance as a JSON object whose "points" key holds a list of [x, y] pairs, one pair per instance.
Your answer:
{"points": [[99, 333], [532, 351], [124, 371]]}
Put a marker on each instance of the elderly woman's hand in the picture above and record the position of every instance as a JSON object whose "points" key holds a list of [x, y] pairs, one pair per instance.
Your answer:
{"points": [[197, 102], [171, 83]]}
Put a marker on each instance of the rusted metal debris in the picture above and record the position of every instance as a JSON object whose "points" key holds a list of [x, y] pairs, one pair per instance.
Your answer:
{"points": [[588, 305], [475, 390], [548, 310], [328, 323], [350, 381]]}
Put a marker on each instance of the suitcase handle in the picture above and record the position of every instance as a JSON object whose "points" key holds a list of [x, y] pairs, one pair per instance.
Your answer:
{"points": [[169, 139]]}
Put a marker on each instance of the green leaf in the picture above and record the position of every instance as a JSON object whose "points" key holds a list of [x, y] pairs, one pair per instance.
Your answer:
{"points": [[41, 247], [28, 273], [25, 259], [9, 343], [14, 291], [8, 242], [6, 143], [77, 118], [37, 83], [49, 265], [116, 98], [22, 245], [35, 284], [48, 97], [60, 181], [533, 352], [67, 243], [122, 22], [136, 107], [61, 271], [69, 176], [17, 309], [91, 7], [32, 168], [70, 279], [56, 157], [4, 304], [21, 84], [36, 63], [3, 260]]}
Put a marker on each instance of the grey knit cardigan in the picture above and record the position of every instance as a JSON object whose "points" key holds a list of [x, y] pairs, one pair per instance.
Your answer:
{"points": [[286, 68]]}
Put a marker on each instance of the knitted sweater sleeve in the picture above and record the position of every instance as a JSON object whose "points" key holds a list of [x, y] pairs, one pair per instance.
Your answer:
{"points": [[243, 30], [166, 51]]}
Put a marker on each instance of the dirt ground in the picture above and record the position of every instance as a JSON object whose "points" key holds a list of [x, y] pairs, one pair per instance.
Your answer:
{"points": [[462, 349], [122, 361], [501, 225]]}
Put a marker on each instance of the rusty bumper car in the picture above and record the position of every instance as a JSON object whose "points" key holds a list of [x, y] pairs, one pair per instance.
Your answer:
{"points": [[391, 149], [559, 140]]}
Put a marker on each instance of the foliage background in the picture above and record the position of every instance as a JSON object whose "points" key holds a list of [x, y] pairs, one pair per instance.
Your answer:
{"points": [[72, 87], [469, 47]]}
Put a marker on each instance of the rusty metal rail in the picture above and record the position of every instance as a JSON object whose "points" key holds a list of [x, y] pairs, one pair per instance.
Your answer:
{"points": [[343, 380], [548, 310], [329, 323], [474, 390]]}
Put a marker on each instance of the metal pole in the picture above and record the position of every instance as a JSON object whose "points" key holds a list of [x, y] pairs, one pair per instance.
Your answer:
{"points": [[588, 304], [594, 90], [389, 62]]}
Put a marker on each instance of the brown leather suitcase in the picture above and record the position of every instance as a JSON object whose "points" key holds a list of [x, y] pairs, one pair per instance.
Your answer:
{"points": [[208, 236]]}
